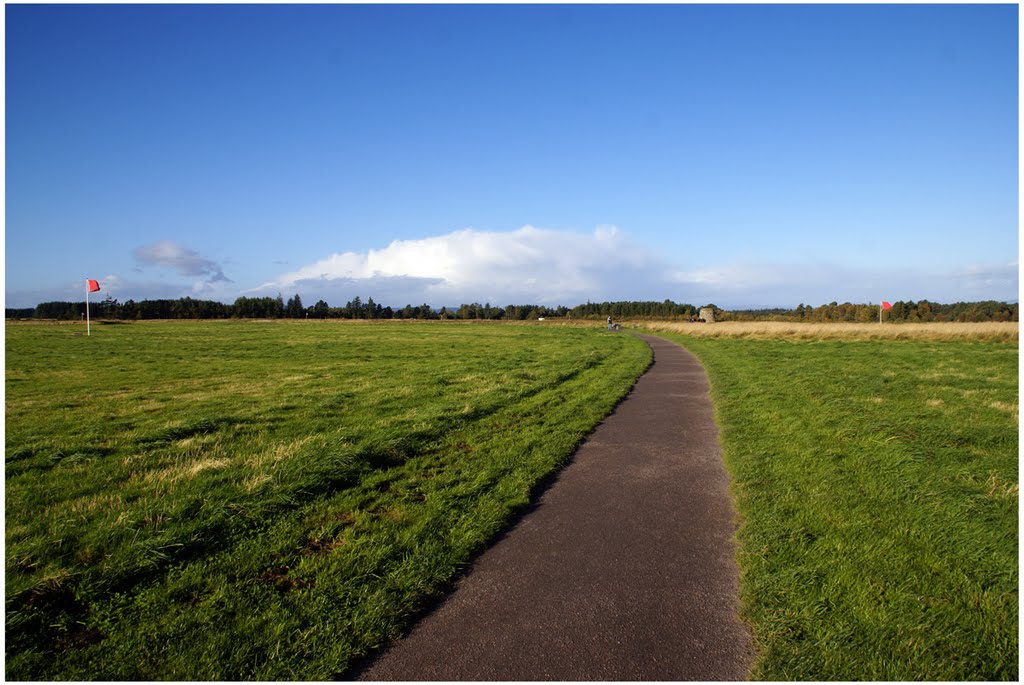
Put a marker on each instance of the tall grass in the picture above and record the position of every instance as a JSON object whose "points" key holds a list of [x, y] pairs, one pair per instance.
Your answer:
{"points": [[877, 484], [269, 500], [768, 330]]}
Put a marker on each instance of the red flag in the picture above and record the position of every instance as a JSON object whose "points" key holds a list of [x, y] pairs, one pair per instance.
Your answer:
{"points": [[886, 305], [92, 285]]}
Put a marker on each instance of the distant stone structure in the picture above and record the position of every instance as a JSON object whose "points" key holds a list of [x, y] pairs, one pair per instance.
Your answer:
{"points": [[708, 314]]}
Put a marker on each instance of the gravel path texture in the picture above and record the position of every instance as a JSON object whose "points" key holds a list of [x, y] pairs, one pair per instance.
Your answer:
{"points": [[625, 569]]}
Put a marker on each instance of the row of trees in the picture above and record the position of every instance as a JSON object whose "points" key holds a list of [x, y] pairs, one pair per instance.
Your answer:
{"points": [[273, 308], [184, 308], [513, 312], [910, 311], [635, 310], [293, 308]]}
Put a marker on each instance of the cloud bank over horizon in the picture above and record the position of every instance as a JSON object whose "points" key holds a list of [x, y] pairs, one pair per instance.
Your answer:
{"points": [[532, 265], [527, 265], [551, 267]]}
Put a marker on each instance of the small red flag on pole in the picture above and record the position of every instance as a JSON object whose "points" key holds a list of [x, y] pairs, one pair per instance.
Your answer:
{"points": [[91, 286], [884, 305]]}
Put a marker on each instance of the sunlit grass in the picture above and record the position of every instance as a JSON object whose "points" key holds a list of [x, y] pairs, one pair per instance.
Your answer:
{"points": [[251, 500], [877, 484]]}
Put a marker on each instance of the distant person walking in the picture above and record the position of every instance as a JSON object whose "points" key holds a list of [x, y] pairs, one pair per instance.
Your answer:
{"points": [[609, 323]]}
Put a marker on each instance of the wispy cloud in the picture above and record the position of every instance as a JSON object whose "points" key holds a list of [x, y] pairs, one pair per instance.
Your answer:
{"points": [[765, 284], [124, 289], [978, 278], [111, 285], [185, 261]]}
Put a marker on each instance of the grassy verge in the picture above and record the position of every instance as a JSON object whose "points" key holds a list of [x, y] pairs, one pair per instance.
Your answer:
{"points": [[269, 500], [877, 484]]}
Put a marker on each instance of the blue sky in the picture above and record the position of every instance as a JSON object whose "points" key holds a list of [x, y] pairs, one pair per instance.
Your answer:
{"points": [[746, 155]]}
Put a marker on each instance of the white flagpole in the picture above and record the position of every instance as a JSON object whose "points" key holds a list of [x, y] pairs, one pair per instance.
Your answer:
{"points": [[88, 324], [879, 312]]}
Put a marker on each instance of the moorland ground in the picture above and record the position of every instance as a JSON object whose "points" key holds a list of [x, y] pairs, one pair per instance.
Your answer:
{"points": [[269, 500], [272, 499]]}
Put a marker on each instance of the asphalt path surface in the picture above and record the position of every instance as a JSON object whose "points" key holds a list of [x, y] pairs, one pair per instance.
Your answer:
{"points": [[625, 570]]}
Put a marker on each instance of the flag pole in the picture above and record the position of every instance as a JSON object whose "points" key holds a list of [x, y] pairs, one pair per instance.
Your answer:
{"points": [[879, 312]]}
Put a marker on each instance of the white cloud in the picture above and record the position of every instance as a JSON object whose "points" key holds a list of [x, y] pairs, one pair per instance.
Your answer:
{"points": [[529, 264]]}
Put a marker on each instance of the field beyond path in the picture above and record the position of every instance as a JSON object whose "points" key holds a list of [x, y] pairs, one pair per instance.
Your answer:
{"points": [[625, 569]]}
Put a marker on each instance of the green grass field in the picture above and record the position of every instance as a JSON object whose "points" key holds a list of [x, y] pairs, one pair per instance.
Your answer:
{"points": [[877, 485], [270, 500]]}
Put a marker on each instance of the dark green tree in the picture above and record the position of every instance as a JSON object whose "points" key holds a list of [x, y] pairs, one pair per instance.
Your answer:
{"points": [[319, 310], [294, 308]]}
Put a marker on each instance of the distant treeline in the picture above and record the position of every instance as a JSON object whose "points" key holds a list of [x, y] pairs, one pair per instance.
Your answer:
{"points": [[910, 311], [293, 308], [273, 308], [635, 310]]}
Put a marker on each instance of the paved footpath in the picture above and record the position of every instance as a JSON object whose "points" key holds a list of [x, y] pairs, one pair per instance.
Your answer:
{"points": [[624, 571]]}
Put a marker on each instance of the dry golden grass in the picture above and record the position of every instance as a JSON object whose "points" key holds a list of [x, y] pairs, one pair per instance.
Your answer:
{"points": [[999, 331], [1005, 406]]}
